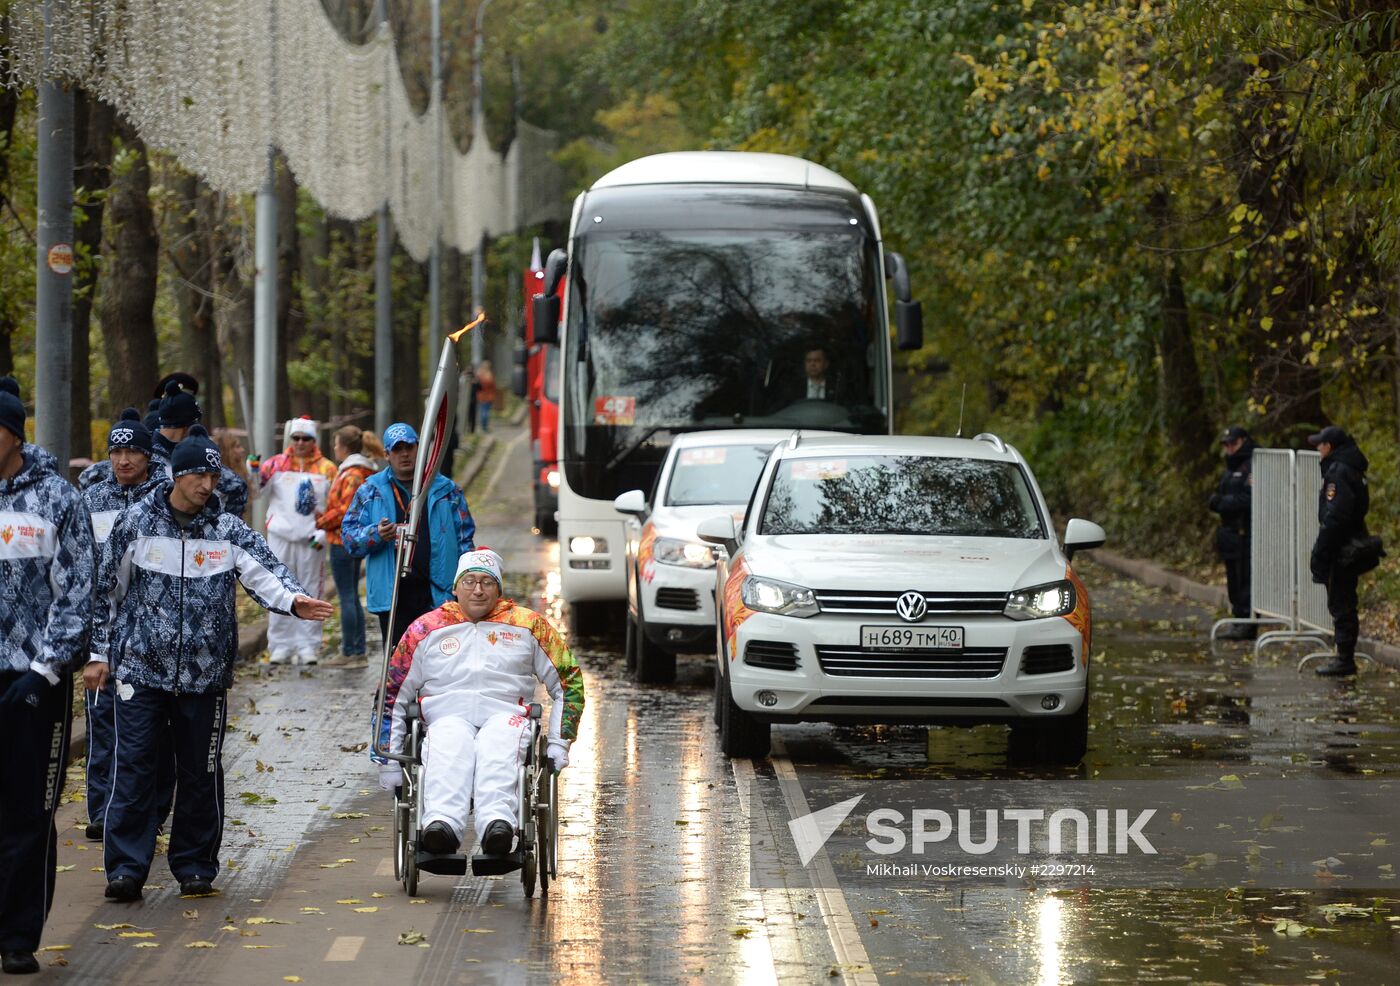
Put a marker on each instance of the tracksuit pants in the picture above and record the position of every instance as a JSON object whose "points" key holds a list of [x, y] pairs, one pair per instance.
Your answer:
{"points": [[35, 744], [196, 727], [289, 633], [101, 734], [463, 761]]}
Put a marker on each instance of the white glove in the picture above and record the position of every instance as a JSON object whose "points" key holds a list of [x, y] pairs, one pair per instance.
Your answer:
{"points": [[390, 776], [558, 753]]}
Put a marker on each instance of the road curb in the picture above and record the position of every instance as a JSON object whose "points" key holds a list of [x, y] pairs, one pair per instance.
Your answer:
{"points": [[1150, 573], [477, 462], [251, 642]]}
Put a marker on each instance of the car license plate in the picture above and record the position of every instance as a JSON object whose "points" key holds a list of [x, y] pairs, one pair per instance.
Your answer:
{"points": [[911, 638]]}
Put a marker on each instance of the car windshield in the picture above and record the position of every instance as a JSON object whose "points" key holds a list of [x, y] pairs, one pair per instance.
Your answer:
{"points": [[715, 474], [901, 494]]}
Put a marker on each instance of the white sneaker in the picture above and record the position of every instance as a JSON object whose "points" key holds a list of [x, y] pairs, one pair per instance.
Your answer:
{"points": [[280, 656], [307, 658]]}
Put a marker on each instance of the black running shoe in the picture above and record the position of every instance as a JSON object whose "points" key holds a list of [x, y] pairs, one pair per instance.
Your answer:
{"points": [[196, 886], [439, 839], [498, 837], [1338, 667], [94, 831]]}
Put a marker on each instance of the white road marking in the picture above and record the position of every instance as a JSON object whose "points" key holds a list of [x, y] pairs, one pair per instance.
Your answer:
{"points": [[344, 949], [851, 957]]}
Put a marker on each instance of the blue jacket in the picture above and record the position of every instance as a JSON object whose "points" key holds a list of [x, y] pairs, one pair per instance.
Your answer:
{"points": [[46, 564], [106, 499], [232, 490], [450, 531], [168, 594]]}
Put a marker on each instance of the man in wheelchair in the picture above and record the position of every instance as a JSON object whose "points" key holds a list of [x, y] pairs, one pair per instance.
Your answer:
{"points": [[471, 664]]}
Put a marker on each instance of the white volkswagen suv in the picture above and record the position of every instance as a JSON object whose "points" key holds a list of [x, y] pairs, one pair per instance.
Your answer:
{"points": [[670, 573], [901, 580]]}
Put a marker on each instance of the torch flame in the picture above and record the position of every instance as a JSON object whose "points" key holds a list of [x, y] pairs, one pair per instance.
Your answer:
{"points": [[454, 336]]}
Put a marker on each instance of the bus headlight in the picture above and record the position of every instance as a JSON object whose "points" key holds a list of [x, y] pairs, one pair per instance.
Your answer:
{"points": [[588, 546], [688, 554], [552, 478]]}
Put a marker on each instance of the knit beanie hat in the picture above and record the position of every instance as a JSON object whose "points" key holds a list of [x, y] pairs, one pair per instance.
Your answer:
{"points": [[152, 418], [178, 409], [130, 433], [482, 560], [12, 413], [195, 453]]}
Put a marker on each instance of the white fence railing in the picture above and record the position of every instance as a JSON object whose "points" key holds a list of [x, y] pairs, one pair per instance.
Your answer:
{"points": [[1283, 527]]}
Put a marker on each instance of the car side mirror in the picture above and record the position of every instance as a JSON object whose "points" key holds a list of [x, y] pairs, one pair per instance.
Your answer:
{"points": [[632, 502], [720, 531], [1082, 535]]}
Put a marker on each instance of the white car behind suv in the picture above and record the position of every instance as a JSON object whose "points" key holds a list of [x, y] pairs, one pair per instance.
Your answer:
{"points": [[901, 580], [670, 573]]}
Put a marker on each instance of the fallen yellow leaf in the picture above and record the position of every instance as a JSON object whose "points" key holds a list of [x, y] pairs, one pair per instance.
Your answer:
{"points": [[365, 910], [350, 900], [55, 948], [265, 921], [146, 944], [291, 979], [201, 944], [137, 934], [479, 931], [377, 895], [63, 869], [113, 927]]}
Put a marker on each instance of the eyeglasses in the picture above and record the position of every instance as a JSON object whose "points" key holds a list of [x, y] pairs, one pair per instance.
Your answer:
{"points": [[478, 583], [302, 438]]}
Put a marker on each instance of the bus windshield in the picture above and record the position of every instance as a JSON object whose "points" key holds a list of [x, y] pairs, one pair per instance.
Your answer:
{"points": [[679, 330]]}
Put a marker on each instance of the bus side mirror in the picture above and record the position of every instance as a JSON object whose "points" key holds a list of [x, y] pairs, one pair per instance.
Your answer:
{"points": [[545, 309], [908, 313]]}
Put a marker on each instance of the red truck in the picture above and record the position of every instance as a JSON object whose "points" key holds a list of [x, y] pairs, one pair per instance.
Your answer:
{"points": [[536, 379]]}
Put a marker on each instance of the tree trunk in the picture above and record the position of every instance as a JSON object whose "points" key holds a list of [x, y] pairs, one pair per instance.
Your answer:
{"points": [[1189, 431], [194, 295], [92, 150], [235, 310], [410, 303], [129, 289]]}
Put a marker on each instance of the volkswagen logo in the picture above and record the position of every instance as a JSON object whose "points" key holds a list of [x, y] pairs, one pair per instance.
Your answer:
{"points": [[911, 606]]}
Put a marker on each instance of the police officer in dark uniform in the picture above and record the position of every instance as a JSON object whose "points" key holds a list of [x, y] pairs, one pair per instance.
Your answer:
{"points": [[1231, 502], [1342, 504]]}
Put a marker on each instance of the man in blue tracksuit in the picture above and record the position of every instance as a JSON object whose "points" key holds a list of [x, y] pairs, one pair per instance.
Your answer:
{"points": [[372, 523], [169, 636], [128, 480], [46, 563]]}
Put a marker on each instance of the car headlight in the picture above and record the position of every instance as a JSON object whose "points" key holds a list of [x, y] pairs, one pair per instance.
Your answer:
{"points": [[674, 551], [783, 598], [1040, 601]]}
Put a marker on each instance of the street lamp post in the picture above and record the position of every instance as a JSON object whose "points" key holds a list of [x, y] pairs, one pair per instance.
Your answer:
{"points": [[478, 134]]}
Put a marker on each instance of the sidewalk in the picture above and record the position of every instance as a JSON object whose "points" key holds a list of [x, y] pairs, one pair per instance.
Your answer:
{"points": [[1150, 573]]}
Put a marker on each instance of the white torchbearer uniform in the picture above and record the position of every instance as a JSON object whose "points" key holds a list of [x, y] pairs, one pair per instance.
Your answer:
{"points": [[289, 535], [474, 683]]}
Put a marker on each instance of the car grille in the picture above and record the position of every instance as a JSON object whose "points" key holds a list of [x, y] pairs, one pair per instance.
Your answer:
{"points": [[970, 662], [908, 702], [779, 655], [864, 603], [1047, 658], [677, 599]]}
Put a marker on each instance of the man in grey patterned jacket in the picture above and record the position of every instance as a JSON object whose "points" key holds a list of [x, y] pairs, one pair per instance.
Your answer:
{"points": [[46, 562], [169, 636]]}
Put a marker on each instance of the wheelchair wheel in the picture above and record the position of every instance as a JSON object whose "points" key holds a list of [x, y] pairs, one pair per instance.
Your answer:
{"points": [[528, 869], [547, 826], [400, 836]]}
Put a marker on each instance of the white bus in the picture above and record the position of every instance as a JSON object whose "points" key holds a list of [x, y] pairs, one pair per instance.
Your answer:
{"points": [[701, 286]]}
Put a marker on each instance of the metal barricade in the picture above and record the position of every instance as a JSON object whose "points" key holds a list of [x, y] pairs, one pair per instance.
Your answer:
{"points": [[1312, 598]]}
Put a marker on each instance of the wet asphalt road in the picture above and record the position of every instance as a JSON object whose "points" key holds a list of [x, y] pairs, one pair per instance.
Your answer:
{"points": [[654, 864]]}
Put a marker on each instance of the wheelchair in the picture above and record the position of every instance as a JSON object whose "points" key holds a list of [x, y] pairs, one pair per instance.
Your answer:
{"points": [[537, 834]]}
